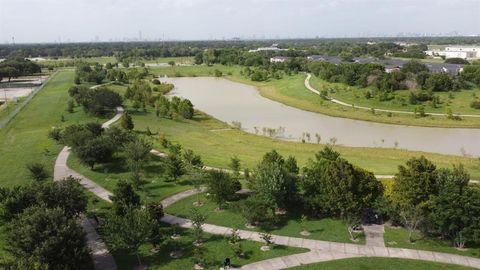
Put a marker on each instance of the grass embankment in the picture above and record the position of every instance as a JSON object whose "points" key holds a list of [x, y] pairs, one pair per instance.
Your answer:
{"points": [[398, 237], [322, 229], [25, 139], [290, 90], [459, 101], [379, 263], [217, 142]]}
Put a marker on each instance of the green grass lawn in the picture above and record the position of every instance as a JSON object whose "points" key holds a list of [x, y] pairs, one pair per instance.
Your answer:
{"points": [[398, 237], [290, 90], [324, 229], [25, 139], [217, 249], [208, 137], [379, 264], [157, 187]]}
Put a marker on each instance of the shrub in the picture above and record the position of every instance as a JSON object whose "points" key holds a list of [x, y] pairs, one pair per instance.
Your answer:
{"points": [[37, 171], [475, 104]]}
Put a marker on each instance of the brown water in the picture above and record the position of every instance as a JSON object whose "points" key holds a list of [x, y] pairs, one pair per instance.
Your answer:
{"points": [[230, 101]]}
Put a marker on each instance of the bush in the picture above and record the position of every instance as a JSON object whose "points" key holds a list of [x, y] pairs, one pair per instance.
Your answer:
{"points": [[156, 81], [38, 171], [55, 134], [475, 104]]}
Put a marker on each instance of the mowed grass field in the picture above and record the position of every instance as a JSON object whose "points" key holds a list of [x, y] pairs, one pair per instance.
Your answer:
{"points": [[379, 264], [25, 140]]}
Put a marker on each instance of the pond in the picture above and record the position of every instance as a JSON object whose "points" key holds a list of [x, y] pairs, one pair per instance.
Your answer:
{"points": [[230, 101]]}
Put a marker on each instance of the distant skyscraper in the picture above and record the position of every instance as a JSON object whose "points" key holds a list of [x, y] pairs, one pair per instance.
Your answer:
{"points": [[140, 35]]}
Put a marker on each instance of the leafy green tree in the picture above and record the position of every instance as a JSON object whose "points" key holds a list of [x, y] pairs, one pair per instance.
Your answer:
{"points": [[273, 182], [127, 121], [221, 187], [185, 109], [198, 219], [455, 209], [96, 150], [129, 231], [235, 166], [45, 238], [137, 152], [414, 67], [332, 186], [192, 159], [174, 166], [124, 197], [438, 82], [412, 187]]}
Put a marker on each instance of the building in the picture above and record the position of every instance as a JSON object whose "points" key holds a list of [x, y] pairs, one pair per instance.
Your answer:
{"points": [[391, 64], [459, 51], [274, 48], [278, 59]]}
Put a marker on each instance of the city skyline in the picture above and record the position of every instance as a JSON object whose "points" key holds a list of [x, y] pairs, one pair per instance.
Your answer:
{"points": [[218, 20]]}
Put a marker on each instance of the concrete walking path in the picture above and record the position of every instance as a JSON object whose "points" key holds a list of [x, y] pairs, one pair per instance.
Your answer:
{"points": [[102, 259], [374, 235], [339, 102], [320, 250]]}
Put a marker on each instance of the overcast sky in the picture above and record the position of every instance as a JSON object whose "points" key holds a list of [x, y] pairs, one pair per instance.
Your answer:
{"points": [[84, 20]]}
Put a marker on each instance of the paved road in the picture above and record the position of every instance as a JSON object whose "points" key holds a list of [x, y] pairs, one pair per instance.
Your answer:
{"points": [[339, 102]]}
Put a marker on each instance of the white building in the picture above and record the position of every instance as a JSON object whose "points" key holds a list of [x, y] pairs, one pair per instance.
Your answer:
{"points": [[464, 52], [278, 59], [274, 48]]}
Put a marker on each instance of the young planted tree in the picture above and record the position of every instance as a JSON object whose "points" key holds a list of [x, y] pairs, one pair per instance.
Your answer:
{"points": [[137, 152], [198, 219], [174, 166], [129, 231], [127, 121], [235, 166], [221, 187], [124, 197]]}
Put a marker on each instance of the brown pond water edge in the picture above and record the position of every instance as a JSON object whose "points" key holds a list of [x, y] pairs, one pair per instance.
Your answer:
{"points": [[231, 101]]}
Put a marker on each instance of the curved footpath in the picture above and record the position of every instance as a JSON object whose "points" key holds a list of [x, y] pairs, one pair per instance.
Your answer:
{"points": [[102, 259], [319, 250], [339, 102]]}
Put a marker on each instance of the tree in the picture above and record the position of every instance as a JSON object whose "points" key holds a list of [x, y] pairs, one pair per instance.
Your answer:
{"points": [[37, 171], [127, 122], [439, 82], [332, 186], [44, 238], [174, 166], [235, 166], [124, 197], [412, 187], [185, 109], [455, 209], [129, 231], [192, 159], [96, 150], [198, 219], [414, 67], [137, 152], [221, 187], [273, 182]]}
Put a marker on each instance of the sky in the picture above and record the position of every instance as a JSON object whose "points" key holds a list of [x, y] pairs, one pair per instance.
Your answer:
{"points": [[31, 21]]}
